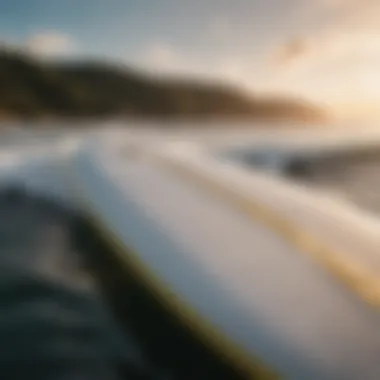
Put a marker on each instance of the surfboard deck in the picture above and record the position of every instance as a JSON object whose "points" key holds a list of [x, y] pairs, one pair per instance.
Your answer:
{"points": [[236, 284]]}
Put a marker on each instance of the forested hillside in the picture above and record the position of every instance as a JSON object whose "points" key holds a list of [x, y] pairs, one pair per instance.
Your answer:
{"points": [[32, 89]]}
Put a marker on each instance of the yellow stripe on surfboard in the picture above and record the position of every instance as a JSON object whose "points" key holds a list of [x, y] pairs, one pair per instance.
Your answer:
{"points": [[244, 362], [358, 278]]}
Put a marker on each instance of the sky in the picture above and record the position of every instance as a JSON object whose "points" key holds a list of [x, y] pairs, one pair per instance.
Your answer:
{"points": [[327, 51]]}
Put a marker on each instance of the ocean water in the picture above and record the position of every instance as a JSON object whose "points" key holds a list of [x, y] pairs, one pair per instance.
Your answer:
{"points": [[55, 322], [355, 181], [347, 168]]}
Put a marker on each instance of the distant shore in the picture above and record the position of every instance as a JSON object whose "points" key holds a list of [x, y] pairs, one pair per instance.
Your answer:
{"points": [[35, 91]]}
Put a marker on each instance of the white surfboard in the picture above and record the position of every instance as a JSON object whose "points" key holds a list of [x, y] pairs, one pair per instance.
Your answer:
{"points": [[236, 283]]}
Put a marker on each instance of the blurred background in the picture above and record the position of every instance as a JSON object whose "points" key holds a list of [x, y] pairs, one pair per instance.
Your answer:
{"points": [[298, 59]]}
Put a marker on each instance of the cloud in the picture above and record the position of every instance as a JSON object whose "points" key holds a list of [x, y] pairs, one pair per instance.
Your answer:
{"points": [[164, 58], [339, 31], [335, 47], [316, 8], [340, 4], [334, 14], [50, 44], [334, 67], [334, 55], [291, 51]]}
